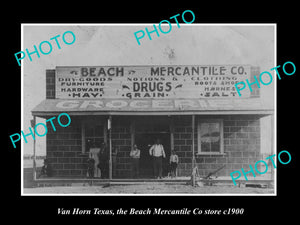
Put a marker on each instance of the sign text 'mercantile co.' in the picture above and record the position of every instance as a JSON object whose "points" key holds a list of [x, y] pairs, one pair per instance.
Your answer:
{"points": [[140, 82]]}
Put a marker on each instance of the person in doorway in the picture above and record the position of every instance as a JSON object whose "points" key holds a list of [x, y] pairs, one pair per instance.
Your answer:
{"points": [[93, 154], [158, 153], [174, 160], [103, 161], [135, 159]]}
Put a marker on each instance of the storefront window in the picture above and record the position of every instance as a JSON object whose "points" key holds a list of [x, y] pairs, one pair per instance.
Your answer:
{"points": [[92, 133], [210, 137]]}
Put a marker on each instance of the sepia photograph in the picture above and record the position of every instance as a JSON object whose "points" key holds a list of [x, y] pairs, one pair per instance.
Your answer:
{"points": [[148, 109]]}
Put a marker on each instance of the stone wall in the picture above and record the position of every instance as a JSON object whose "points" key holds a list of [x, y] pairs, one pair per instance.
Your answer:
{"points": [[64, 149], [241, 145], [121, 139]]}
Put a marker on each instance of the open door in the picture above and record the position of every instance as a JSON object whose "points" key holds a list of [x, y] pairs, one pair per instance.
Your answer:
{"points": [[144, 141]]}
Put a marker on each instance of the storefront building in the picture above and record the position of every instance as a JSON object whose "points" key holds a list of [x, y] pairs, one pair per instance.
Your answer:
{"points": [[194, 110]]}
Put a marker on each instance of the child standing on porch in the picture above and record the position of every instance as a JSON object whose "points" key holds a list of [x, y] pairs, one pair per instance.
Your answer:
{"points": [[174, 160]]}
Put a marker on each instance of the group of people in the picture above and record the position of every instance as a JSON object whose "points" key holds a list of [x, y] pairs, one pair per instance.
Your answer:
{"points": [[98, 162], [157, 152], [98, 165]]}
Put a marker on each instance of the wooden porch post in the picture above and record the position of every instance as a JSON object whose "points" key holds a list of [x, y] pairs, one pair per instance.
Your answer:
{"points": [[172, 132], [132, 131], [193, 142], [110, 147], [34, 154]]}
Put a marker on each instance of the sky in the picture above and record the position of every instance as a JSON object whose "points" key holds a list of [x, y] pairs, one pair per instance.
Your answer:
{"points": [[105, 45]]}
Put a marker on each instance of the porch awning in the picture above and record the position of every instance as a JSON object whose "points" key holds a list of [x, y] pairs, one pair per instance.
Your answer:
{"points": [[50, 107]]}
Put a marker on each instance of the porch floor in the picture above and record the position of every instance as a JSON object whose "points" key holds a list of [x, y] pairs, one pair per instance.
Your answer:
{"points": [[71, 181]]}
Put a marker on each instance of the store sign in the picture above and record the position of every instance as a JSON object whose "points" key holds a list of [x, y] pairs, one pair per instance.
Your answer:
{"points": [[152, 104], [150, 82]]}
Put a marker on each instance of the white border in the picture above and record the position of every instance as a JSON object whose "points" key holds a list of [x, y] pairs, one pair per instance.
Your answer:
{"points": [[22, 113], [146, 24]]}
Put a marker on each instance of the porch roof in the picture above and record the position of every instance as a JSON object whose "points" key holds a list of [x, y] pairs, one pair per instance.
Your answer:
{"points": [[50, 107]]}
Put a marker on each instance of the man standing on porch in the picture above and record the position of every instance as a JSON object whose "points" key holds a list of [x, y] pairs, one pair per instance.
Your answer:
{"points": [[135, 158], [103, 161], [157, 151]]}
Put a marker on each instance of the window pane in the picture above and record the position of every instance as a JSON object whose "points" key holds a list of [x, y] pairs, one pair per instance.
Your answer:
{"points": [[93, 134], [205, 138], [214, 127], [204, 130], [210, 137], [205, 146], [215, 132], [215, 137], [215, 146]]}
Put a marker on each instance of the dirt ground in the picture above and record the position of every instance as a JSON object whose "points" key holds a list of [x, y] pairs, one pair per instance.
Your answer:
{"points": [[156, 189]]}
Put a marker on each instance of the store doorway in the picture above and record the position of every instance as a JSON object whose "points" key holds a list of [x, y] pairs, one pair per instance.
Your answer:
{"points": [[147, 131]]}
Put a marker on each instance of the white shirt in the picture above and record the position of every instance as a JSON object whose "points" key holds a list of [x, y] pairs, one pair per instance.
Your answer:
{"points": [[135, 153], [157, 150], [174, 158], [94, 154]]}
